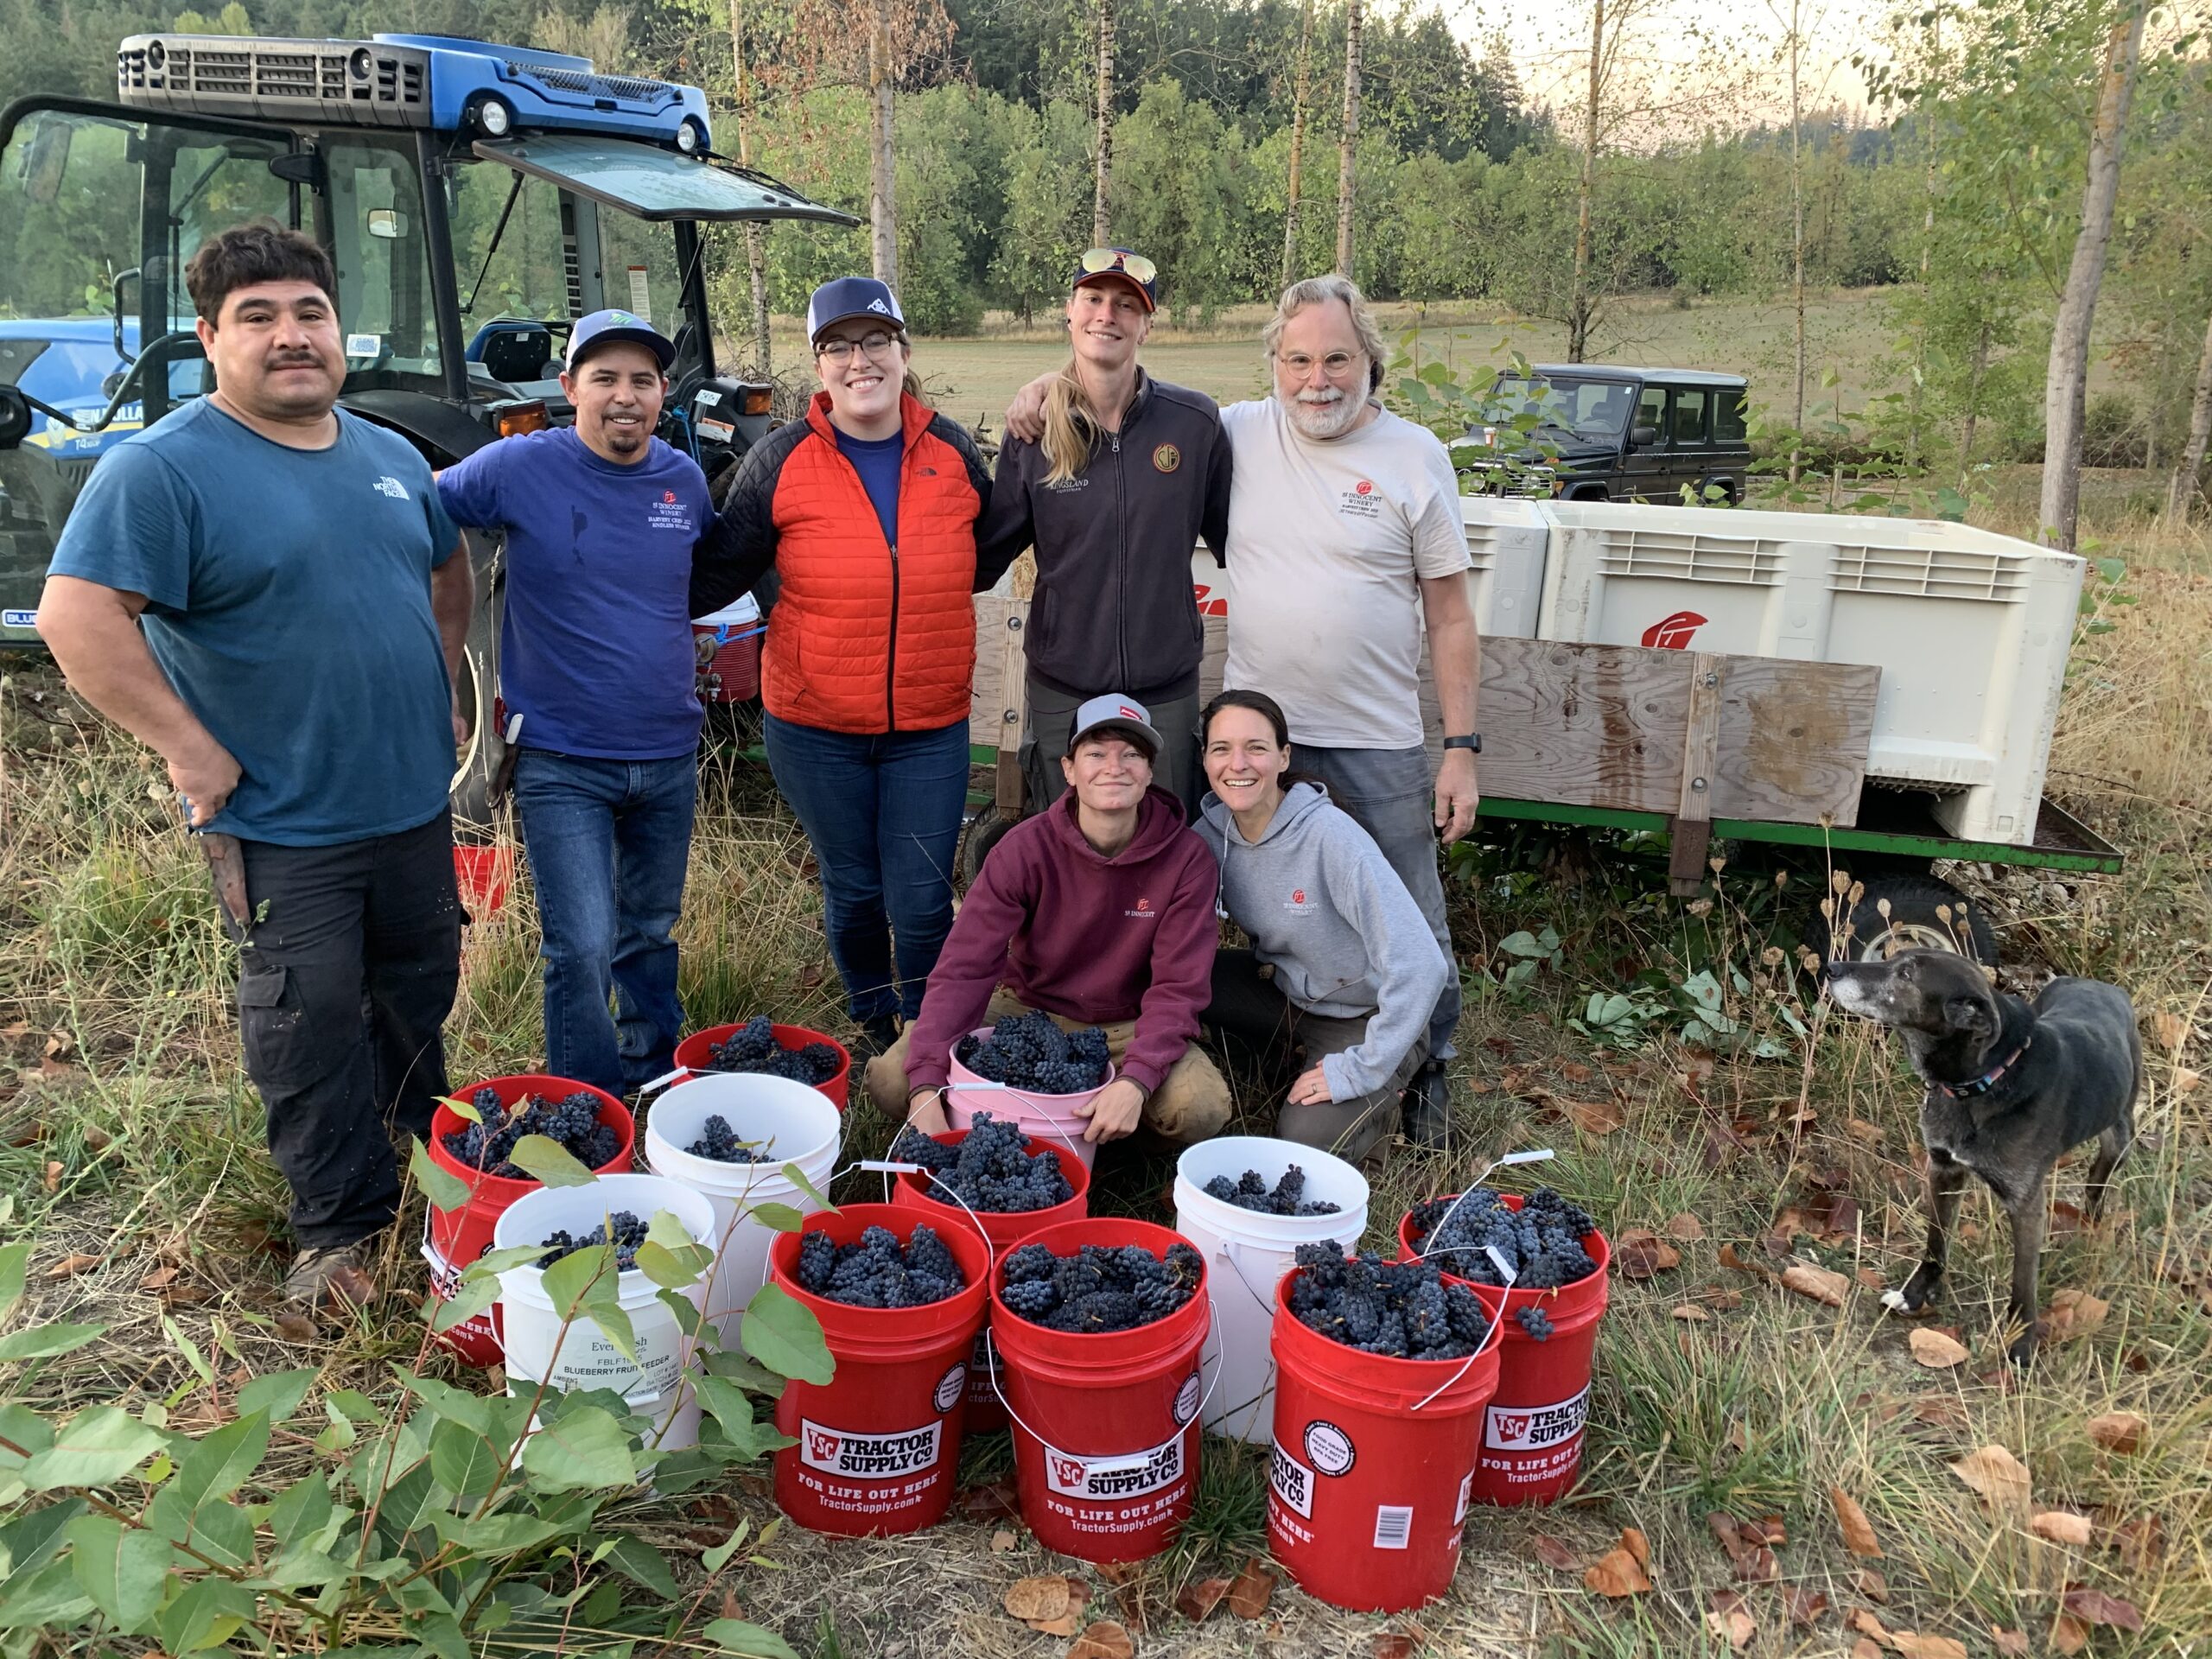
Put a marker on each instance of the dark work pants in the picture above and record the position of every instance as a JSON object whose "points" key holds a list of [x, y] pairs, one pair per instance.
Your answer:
{"points": [[1249, 1012], [347, 970]]}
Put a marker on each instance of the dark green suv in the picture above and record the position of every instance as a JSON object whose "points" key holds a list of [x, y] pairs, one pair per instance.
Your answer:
{"points": [[1591, 432]]}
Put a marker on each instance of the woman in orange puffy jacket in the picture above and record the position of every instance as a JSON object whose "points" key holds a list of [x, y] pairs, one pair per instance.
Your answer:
{"points": [[867, 511]]}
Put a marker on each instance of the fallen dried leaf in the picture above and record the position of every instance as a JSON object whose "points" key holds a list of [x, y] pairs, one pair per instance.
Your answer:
{"points": [[2095, 1607], [1804, 1606], [159, 1278], [1857, 1532], [1617, 1573], [1931, 1348], [1045, 1595], [1639, 1253], [1866, 1134], [2118, 1432], [1390, 1644], [1554, 1554], [1634, 1541], [2066, 1218], [298, 1327], [1685, 1228], [1066, 1624], [70, 1266], [347, 1286], [1771, 1530], [2170, 1028], [2141, 1542], [2061, 1527], [1573, 1071], [1913, 1646], [1107, 1640], [1730, 1257], [1758, 1566], [2013, 1645], [1690, 1315], [1001, 1541], [1866, 1647], [1727, 1535], [1722, 1297], [1870, 1279], [1821, 1284], [52, 1180], [2001, 1478], [1872, 1585], [1945, 1411], [1595, 1118], [2074, 1313], [1254, 1588], [2069, 1634], [2185, 1081], [1199, 1600], [1735, 1627], [1866, 1624]]}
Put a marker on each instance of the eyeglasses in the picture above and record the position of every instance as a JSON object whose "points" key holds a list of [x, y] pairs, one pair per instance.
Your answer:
{"points": [[1336, 365], [1097, 261], [876, 343]]}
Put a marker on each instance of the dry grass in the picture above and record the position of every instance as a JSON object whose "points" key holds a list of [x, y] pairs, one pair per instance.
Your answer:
{"points": [[135, 1140]]}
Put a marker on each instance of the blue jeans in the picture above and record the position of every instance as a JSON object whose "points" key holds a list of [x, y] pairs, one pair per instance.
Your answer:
{"points": [[1391, 794], [883, 813], [607, 841]]}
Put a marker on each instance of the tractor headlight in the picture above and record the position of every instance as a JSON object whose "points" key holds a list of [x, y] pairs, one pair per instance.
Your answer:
{"points": [[496, 119], [689, 139]]}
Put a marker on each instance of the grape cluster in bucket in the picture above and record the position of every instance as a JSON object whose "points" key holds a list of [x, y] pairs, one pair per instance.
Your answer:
{"points": [[573, 1121], [1101, 1287], [1541, 1243], [986, 1168], [753, 1047], [719, 1141], [622, 1230], [1250, 1191], [1030, 1052], [877, 1271], [1407, 1310]]}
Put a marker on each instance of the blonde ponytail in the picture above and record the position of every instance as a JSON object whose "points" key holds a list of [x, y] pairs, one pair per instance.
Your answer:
{"points": [[1071, 427]]}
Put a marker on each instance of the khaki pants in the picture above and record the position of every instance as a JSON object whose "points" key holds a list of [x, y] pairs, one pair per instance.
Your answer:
{"points": [[1192, 1103]]}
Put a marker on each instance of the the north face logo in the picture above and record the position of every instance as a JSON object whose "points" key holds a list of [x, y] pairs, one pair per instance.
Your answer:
{"points": [[392, 488]]}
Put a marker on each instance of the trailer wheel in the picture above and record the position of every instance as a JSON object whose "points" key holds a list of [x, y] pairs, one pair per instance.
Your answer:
{"points": [[1906, 913], [477, 759], [985, 830]]}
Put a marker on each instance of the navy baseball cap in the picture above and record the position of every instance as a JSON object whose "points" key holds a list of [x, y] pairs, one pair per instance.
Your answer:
{"points": [[1109, 265], [601, 327], [842, 298]]}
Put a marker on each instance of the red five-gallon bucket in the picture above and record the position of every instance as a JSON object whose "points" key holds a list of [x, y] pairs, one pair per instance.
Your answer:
{"points": [[452, 1239], [1532, 1429], [879, 1443], [1374, 1464], [696, 1053], [1105, 1425], [1007, 1229]]}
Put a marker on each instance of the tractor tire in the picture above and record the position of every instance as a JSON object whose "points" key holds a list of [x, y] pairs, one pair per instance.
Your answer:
{"points": [[1923, 912], [985, 830]]}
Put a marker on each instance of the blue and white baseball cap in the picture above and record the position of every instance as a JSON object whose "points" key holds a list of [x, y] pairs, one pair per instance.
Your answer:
{"points": [[603, 327], [842, 298], [1115, 713]]}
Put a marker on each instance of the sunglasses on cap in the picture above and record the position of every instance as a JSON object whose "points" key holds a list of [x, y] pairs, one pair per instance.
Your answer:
{"points": [[1097, 262]]}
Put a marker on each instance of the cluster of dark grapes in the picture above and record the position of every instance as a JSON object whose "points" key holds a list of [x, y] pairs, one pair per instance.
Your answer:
{"points": [[1541, 1242], [621, 1230], [573, 1121], [1249, 1191], [1535, 1321], [1101, 1287], [1029, 1051], [753, 1047], [986, 1167], [719, 1141], [877, 1272], [1404, 1309]]}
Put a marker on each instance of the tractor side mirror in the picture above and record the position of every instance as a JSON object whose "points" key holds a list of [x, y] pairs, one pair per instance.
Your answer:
{"points": [[15, 418], [119, 308], [46, 158]]}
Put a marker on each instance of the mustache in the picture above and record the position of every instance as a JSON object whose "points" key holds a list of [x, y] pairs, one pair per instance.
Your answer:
{"points": [[295, 360]]}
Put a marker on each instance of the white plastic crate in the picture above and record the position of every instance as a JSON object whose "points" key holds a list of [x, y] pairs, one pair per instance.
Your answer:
{"points": [[1970, 629]]}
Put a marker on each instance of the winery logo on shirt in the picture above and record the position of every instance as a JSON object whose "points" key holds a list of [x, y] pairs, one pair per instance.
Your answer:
{"points": [[392, 486], [1297, 904], [670, 513], [1361, 501], [1166, 458], [1143, 913]]}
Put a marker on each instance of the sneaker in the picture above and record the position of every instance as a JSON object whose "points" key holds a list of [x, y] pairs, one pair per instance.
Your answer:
{"points": [[334, 1277], [1426, 1108]]}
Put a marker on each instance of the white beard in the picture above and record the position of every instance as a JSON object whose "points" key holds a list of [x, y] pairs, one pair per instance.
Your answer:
{"points": [[1330, 417]]}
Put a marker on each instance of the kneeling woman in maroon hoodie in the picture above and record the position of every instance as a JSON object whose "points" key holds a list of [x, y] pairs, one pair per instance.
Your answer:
{"points": [[1099, 911]]}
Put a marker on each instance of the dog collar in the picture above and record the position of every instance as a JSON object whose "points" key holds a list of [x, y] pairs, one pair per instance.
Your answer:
{"points": [[1988, 1080]]}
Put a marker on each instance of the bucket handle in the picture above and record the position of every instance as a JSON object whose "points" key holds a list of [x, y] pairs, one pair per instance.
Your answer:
{"points": [[1053, 1120], [1220, 1365], [891, 1168], [1538, 1155], [1506, 1272]]}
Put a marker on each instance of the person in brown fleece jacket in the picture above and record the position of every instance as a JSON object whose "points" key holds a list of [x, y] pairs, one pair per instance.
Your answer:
{"points": [[1100, 911]]}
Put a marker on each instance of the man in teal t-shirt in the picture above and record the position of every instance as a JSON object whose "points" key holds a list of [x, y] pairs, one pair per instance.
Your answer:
{"points": [[266, 590]]}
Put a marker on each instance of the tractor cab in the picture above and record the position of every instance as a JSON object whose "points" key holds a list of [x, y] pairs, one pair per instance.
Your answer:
{"points": [[475, 199]]}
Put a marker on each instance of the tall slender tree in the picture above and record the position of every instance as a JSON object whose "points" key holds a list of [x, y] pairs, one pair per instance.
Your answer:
{"points": [[1101, 219], [882, 169], [2065, 385], [1297, 141], [2189, 473], [1581, 304], [1348, 146], [756, 239]]}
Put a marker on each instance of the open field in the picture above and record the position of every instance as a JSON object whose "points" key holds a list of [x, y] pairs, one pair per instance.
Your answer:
{"points": [[131, 1142]]}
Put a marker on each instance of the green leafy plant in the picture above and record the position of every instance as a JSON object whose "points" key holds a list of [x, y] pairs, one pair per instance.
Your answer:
{"points": [[439, 1521]]}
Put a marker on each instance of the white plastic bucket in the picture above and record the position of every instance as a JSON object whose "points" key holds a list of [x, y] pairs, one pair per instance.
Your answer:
{"points": [[1041, 1117], [586, 1359], [1247, 1255], [793, 1124]]}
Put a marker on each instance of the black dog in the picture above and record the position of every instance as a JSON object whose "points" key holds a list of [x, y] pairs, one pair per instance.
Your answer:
{"points": [[2010, 1089]]}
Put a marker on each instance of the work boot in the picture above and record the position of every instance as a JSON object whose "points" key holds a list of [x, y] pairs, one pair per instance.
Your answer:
{"points": [[335, 1278], [877, 1034], [1426, 1108]]}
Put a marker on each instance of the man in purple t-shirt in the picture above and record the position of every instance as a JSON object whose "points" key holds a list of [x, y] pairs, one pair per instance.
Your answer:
{"points": [[596, 655]]}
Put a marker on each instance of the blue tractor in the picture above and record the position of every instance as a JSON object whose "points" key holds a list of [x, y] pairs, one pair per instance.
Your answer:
{"points": [[475, 199]]}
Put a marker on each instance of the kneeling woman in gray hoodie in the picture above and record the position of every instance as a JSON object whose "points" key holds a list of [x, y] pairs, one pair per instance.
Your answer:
{"points": [[1354, 970]]}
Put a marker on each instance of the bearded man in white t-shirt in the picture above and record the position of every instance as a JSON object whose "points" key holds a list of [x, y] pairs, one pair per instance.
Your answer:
{"points": [[1345, 545]]}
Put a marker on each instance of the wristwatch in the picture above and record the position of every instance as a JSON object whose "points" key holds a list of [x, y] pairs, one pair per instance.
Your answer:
{"points": [[1473, 742]]}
